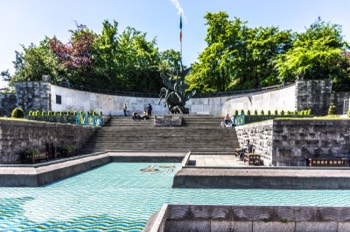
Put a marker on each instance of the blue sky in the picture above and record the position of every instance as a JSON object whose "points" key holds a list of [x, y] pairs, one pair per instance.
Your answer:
{"points": [[29, 21]]}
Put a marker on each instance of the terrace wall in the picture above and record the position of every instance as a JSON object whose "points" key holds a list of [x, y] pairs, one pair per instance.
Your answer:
{"points": [[290, 142], [17, 136]]}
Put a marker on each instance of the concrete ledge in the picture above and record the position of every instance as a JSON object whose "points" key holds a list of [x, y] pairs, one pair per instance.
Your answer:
{"points": [[262, 178], [46, 173], [251, 218]]}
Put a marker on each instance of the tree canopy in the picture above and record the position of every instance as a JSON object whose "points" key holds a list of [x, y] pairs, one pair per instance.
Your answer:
{"points": [[236, 57], [239, 57]]}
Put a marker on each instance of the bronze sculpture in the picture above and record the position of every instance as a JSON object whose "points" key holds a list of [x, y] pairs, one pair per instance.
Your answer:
{"points": [[174, 94]]}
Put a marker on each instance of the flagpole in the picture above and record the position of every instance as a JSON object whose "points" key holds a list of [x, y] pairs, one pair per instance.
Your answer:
{"points": [[181, 42]]}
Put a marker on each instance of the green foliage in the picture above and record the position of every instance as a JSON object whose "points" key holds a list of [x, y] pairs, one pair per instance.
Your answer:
{"points": [[269, 112], [43, 113], [17, 113], [262, 112], [68, 113], [317, 54], [49, 113], [30, 113], [282, 112], [236, 112], [236, 56], [309, 112], [276, 112], [255, 112], [75, 113], [248, 112], [37, 113], [55, 113], [332, 110], [61, 113], [242, 111], [295, 112], [349, 114], [289, 112]]}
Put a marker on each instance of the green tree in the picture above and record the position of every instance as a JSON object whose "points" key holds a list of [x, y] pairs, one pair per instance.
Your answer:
{"points": [[317, 53]]}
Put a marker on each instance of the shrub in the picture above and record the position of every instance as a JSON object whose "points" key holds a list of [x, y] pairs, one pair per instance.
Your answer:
{"points": [[255, 112], [55, 113], [242, 111], [37, 113], [30, 113], [75, 113], [282, 112], [262, 112], [289, 112], [269, 112], [61, 113], [17, 113], [309, 112], [43, 113], [248, 112], [236, 112], [81, 112], [100, 113], [68, 113], [94, 113], [332, 110], [276, 112], [295, 112], [49, 113]]}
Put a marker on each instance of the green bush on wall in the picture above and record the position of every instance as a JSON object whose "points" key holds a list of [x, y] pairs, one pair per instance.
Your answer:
{"points": [[242, 111], [75, 113], [236, 112], [255, 112], [262, 112], [43, 113], [276, 112], [309, 112], [248, 112], [30, 113], [68, 113], [269, 112], [17, 113], [37, 113], [100, 113], [49, 113]]}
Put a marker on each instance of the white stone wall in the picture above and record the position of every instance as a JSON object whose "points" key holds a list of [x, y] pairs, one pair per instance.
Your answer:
{"points": [[280, 99], [108, 104]]}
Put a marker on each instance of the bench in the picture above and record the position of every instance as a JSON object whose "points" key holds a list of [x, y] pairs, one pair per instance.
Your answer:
{"points": [[252, 159], [36, 157], [327, 162]]}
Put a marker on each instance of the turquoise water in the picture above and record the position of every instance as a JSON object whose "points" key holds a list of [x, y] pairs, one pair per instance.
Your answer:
{"points": [[118, 197]]}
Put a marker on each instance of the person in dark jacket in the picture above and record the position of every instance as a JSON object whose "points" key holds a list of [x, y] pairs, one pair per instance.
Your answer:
{"points": [[149, 110]]}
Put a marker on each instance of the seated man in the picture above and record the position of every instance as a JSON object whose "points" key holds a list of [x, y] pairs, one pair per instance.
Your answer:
{"points": [[136, 115], [227, 121]]}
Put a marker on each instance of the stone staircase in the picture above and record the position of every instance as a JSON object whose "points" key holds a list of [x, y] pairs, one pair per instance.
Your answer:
{"points": [[199, 134]]}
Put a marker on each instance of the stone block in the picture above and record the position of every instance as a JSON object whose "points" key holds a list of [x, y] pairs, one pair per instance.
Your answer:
{"points": [[187, 226], [343, 226], [167, 121], [236, 226], [316, 226], [273, 226]]}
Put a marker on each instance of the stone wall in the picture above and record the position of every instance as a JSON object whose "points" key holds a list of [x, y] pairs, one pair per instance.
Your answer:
{"points": [[277, 99], [17, 136], [109, 104], [290, 142], [249, 218], [337, 99], [260, 136], [314, 95], [8, 101], [33, 95], [309, 94]]}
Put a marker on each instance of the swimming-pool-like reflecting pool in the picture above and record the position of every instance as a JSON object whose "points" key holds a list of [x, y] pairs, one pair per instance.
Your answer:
{"points": [[118, 197]]}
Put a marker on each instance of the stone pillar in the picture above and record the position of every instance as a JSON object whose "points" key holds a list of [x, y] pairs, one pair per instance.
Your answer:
{"points": [[33, 95], [314, 95]]}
